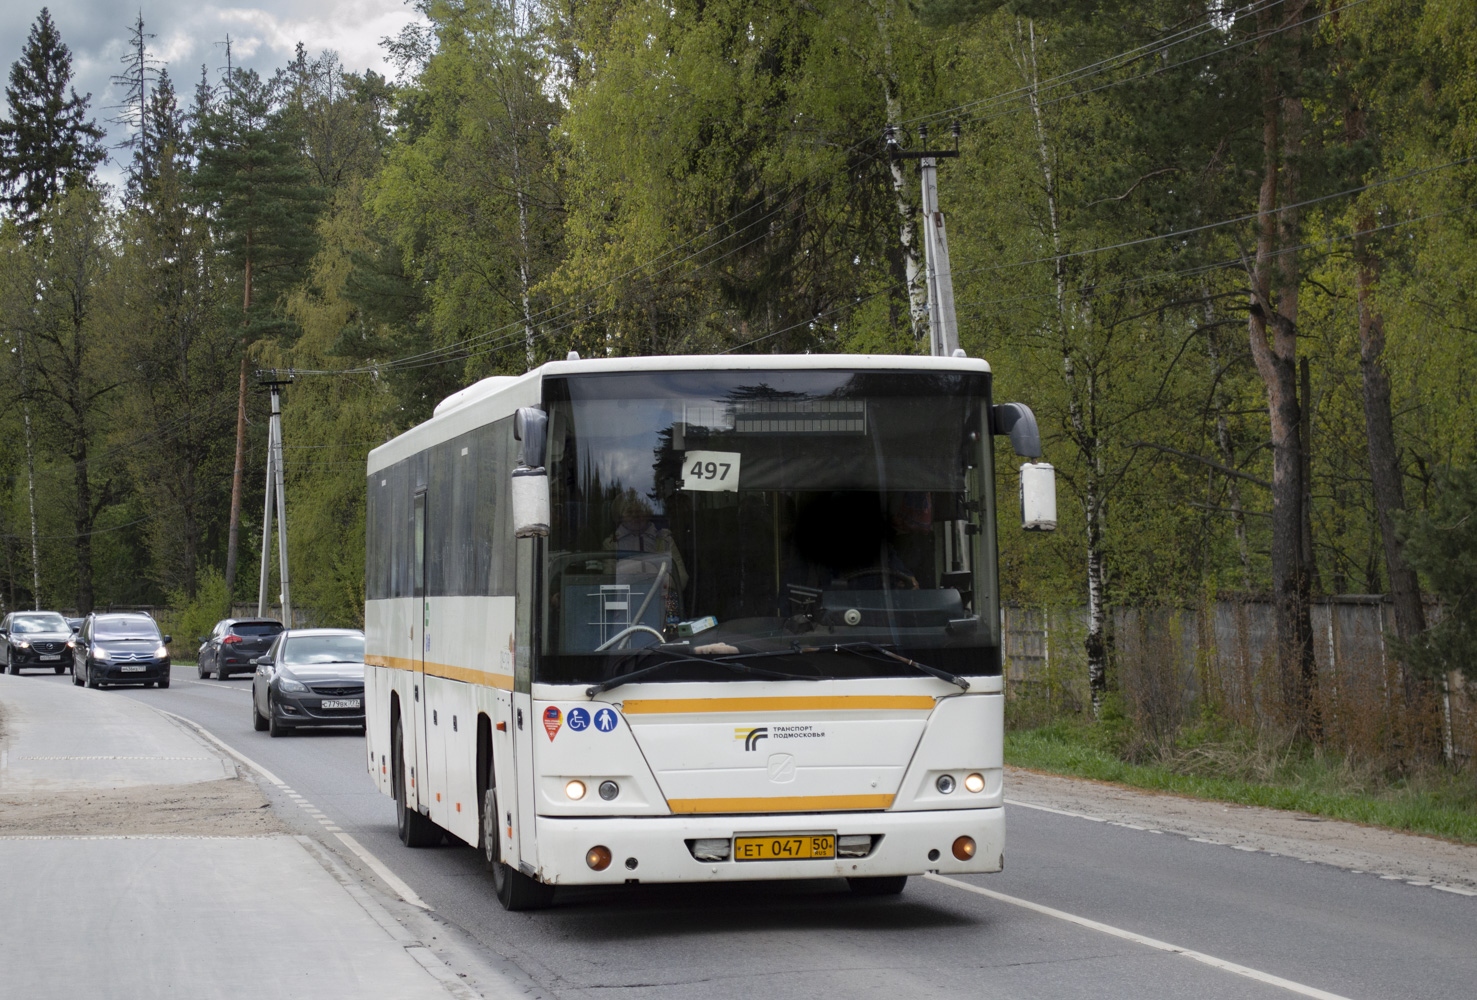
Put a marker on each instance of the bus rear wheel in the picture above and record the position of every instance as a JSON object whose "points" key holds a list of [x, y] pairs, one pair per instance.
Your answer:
{"points": [[415, 830], [515, 890]]}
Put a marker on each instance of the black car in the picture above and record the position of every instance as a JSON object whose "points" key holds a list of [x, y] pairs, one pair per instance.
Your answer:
{"points": [[233, 644], [36, 639], [310, 677], [120, 648]]}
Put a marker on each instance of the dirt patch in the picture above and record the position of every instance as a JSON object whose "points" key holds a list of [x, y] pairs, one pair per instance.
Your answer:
{"points": [[1292, 834], [233, 807]]}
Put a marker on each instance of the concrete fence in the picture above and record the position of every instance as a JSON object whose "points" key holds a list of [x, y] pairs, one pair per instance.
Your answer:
{"points": [[1171, 663]]}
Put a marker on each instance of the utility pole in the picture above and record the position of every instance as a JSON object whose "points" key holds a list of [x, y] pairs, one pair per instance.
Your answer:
{"points": [[943, 329], [276, 489]]}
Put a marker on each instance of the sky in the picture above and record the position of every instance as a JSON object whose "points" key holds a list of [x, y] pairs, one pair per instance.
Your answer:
{"points": [[191, 33]]}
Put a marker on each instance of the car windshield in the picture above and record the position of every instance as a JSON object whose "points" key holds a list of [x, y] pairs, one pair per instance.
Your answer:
{"points": [[746, 512], [29, 624], [125, 628], [256, 628], [304, 650]]}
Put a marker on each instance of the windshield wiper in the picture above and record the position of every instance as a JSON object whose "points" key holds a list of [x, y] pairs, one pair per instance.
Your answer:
{"points": [[857, 647], [723, 661]]}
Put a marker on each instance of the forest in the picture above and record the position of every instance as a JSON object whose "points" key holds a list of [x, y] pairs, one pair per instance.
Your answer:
{"points": [[1224, 250]]}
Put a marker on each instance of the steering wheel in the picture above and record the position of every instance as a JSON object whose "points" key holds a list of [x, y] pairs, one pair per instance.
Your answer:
{"points": [[896, 578]]}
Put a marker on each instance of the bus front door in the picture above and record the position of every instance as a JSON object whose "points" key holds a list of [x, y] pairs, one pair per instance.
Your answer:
{"points": [[528, 726]]}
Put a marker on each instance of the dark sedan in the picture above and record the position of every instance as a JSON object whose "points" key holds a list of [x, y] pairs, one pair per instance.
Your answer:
{"points": [[234, 644], [120, 648], [36, 639], [310, 677]]}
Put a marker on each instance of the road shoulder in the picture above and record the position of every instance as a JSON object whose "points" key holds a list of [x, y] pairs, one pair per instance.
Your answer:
{"points": [[1351, 846]]}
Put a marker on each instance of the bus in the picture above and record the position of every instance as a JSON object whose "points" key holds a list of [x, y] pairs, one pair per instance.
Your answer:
{"points": [[697, 619]]}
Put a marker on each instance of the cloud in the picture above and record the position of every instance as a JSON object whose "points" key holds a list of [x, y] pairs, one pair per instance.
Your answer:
{"points": [[191, 34]]}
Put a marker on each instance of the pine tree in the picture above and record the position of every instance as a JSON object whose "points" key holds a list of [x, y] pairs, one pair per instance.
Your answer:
{"points": [[140, 69], [48, 144]]}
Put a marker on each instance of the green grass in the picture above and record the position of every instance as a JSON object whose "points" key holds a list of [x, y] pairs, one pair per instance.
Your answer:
{"points": [[1437, 803]]}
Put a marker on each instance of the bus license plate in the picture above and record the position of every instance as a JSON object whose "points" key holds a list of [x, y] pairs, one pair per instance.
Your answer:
{"points": [[340, 702], [784, 848]]}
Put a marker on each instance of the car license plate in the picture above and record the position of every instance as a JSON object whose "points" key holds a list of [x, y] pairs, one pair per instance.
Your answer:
{"points": [[51, 656], [785, 847], [341, 702], [133, 668]]}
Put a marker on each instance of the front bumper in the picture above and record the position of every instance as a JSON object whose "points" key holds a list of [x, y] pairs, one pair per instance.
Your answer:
{"points": [[305, 710], [25, 659], [120, 673], [659, 847]]}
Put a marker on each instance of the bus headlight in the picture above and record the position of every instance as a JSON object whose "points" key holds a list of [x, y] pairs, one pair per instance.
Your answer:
{"points": [[575, 789], [975, 783]]}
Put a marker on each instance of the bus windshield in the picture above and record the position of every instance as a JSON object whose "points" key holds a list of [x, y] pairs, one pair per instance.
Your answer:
{"points": [[768, 518]]}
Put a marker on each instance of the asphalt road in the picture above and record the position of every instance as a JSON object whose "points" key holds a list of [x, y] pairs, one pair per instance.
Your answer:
{"points": [[1253, 918]]}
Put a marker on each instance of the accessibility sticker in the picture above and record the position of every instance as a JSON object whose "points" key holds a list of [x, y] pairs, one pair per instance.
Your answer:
{"points": [[552, 721], [578, 719], [606, 719]]}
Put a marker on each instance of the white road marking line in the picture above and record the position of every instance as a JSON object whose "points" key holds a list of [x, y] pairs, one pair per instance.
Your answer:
{"points": [[395, 882], [1049, 809], [1118, 932]]}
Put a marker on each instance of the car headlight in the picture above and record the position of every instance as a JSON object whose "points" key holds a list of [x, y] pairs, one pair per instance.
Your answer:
{"points": [[291, 686], [162, 651], [22, 644], [99, 653]]}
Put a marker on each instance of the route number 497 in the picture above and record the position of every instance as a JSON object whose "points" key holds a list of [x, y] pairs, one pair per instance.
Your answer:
{"points": [[710, 471]]}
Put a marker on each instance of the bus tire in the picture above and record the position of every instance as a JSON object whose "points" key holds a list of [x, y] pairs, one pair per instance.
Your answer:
{"points": [[415, 830], [878, 885], [515, 890]]}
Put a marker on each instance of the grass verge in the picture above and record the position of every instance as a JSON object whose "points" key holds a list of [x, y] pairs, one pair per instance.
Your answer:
{"points": [[1435, 802]]}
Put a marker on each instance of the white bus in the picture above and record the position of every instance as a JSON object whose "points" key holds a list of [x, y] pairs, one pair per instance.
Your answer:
{"points": [[687, 619]]}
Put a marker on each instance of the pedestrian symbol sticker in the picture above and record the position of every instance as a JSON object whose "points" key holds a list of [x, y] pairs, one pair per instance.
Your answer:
{"points": [[579, 720], [605, 720], [552, 721]]}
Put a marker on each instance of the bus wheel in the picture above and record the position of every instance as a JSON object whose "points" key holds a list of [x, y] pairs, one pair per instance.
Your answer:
{"points": [[878, 885], [515, 890], [415, 830]]}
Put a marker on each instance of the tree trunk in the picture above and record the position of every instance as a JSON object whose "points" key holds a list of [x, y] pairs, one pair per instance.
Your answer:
{"points": [[1081, 393], [31, 499], [233, 536], [907, 214], [1379, 427], [1276, 362]]}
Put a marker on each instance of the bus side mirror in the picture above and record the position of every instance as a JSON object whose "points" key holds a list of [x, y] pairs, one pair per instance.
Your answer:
{"points": [[531, 426], [1017, 420], [1038, 496], [530, 503]]}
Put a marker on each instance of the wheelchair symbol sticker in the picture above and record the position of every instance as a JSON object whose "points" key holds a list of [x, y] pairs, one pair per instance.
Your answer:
{"points": [[578, 720]]}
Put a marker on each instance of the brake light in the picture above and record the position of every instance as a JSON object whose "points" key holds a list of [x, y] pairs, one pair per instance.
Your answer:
{"points": [[230, 639]]}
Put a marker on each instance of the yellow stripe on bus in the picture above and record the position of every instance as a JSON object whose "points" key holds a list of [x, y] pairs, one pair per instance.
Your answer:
{"points": [[454, 673], [782, 804], [843, 702]]}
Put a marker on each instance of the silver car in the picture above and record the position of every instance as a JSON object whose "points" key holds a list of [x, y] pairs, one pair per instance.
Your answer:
{"points": [[309, 677]]}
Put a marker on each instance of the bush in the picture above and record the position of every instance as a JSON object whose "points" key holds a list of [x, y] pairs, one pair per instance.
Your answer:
{"points": [[1441, 543], [189, 619]]}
